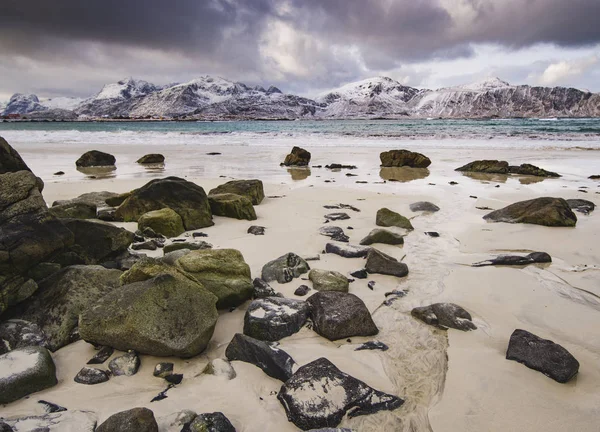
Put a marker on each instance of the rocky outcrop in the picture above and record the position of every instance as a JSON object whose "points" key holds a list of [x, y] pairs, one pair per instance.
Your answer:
{"points": [[319, 395], [401, 158], [378, 262], [76, 210], [251, 189], [388, 218], [163, 316], [95, 158], [152, 158], [298, 157], [328, 280], [164, 221], [542, 355], [187, 199], [485, 166], [517, 260], [338, 315], [25, 371], [10, 159], [231, 205], [273, 361], [380, 235], [285, 268], [532, 170], [16, 333], [133, 420], [273, 318], [445, 315], [553, 212], [221, 271], [581, 206]]}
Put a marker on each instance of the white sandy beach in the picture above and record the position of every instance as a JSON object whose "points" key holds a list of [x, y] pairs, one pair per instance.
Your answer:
{"points": [[450, 380]]}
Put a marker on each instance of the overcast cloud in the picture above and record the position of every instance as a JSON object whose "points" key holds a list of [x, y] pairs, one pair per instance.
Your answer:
{"points": [[73, 47]]}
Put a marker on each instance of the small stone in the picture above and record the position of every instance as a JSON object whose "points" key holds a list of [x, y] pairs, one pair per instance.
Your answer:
{"points": [[347, 250], [102, 355], [211, 422], [148, 245], [59, 173], [335, 233], [371, 285], [373, 345], [424, 206], [220, 368], [256, 230], [432, 233], [384, 236], [163, 369], [360, 274], [91, 376], [174, 378], [199, 234], [284, 269], [50, 407], [127, 364], [388, 218], [302, 290]]}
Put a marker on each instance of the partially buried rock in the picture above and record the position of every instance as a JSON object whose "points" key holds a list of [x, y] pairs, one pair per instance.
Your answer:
{"points": [[400, 158], [273, 361], [95, 158], [16, 333], [301, 291], [388, 218], [152, 158], [164, 221], [338, 315], [485, 166], [516, 260], [319, 395], [380, 235], [262, 289], [532, 170], [328, 280], [127, 364], [163, 370], [250, 189], [378, 262], [360, 274], [372, 345], [211, 422], [554, 212], [133, 420], [542, 355], [223, 272], [25, 371], [285, 268], [231, 205], [176, 422], [581, 205], [274, 318], [187, 199], [147, 245], [76, 210], [256, 230], [424, 206], [163, 316], [91, 376], [298, 157], [102, 355], [335, 233], [347, 250], [337, 216], [445, 315], [221, 368]]}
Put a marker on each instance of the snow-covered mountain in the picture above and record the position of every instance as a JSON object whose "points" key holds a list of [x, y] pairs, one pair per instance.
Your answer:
{"points": [[210, 97]]}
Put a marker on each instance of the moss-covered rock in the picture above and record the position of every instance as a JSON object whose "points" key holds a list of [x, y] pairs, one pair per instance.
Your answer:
{"points": [[232, 205], [486, 166], [298, 157], [163, 316], [76, 210], [285, 268], [528, 169], [187, 199], [388, 218], [25, 371], [186, 245], [251, 189], [164, 221], [327, 280], [553, 212], [380, 235], [400, 158], [95, 158], [223, 272]]}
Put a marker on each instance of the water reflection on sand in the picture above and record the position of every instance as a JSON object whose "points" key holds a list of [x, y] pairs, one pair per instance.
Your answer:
{"points": [[403, 174]]}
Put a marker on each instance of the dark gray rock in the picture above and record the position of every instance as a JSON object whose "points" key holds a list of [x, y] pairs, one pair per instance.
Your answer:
{"points": [[76, 210], [337, 216], [285, 268], [102, 355], [250, 189], [372, 345], [147, 245], [378, 262], [172, 257], [528, 169], [581, 205], [347, 250], [554, 212], [91, 376], [424, 206], [107, 215], [432, 233], [164, 369], [338, 315], [64, 421], [16, 333], [174, 378], [50, 407], [400, 158], [210, 422], [95, 158], [302, 290], [445, 315], [298, 157], [486, 166], [10, 159], [133, 420], [360, 274], [335, 233], [273, 361], [516, 260], [127, 364], [273, 318], [152, 158], [25, 371], [384, 236], [542, 355], [262, 289], [319, 395], [256, 230], [5, 428]]}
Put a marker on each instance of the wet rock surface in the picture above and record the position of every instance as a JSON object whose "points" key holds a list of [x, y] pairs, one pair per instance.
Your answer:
{"points": [[445, 315], [95, 158], [298, 157], [388, 218], [347, 250], [404, 158], [554, 212], [16, 333], [91, 376], [581, 205], [274, 318], [516, 260], [127, 364]]}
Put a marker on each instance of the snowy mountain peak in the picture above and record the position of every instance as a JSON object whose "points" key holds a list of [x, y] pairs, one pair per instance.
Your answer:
{"points": [[125, 89], [22, 104], [485, 85]]}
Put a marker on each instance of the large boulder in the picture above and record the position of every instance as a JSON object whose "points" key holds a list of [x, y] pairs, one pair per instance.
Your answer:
{"points": [[163, 316], [76, 210], [273, 361], [98, 241], [542, 355], [231, 205], [29, 235], [445, 315], [381, 235], [285, 268], [95, 158], [24, 371], [485, 166], [16, 333], [152, 158], [388, 218], [554, 212], [298, 157], [56, 306], [273, 318], [378, 262], [251, 189], [319, 395], [532, 170], [339, 315], [164, 221], [187, 199], [223, 272], [400, 158], [328, 280], [133, 420], [10, 159]]}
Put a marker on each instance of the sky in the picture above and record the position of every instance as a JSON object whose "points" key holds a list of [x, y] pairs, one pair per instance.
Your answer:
{"points": [[74, 47]]}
